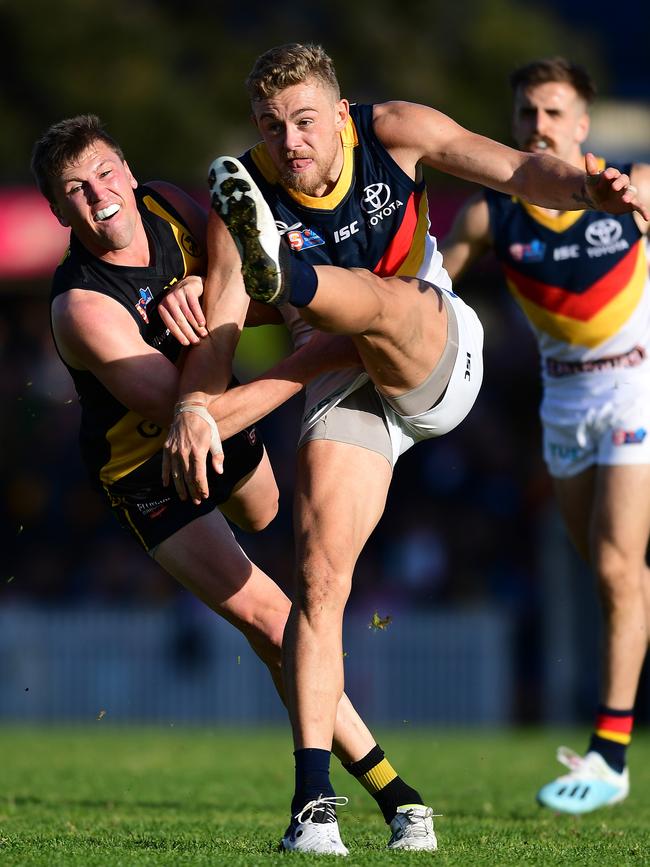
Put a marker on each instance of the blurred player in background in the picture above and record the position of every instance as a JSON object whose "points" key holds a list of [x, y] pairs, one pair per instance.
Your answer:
{"points": [[581, 278], [130, 282]]}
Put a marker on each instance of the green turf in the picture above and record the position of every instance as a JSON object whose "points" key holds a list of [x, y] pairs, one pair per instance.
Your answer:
{"points": [[110, 795]]}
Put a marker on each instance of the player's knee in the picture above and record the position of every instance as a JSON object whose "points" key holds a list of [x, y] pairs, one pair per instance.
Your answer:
{"points": [[256, 515], [620, 577], [262, 516], [264, 634], [322, 590]]}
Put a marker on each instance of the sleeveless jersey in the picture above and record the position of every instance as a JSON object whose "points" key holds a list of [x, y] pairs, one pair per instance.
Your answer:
{"points": [[376, 217], [115, 440], [580, 277]]}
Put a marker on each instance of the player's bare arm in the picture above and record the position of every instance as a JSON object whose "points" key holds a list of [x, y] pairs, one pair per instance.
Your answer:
{"points": [[469, 237], [208, 368], [416, 133], [181, 311], [185, 454], [96, 333]]}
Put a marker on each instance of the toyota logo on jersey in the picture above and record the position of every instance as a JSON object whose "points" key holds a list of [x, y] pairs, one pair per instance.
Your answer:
{"points": [[602, 233], [375, 197]]}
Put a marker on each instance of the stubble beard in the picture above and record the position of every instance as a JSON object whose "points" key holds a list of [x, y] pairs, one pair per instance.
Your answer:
{"points": [[306, 183]]}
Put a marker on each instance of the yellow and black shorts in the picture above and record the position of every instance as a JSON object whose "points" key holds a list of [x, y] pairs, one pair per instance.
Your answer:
{"points": [[152, 513]]}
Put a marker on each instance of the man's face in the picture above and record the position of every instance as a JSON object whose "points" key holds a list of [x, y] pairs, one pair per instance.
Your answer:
{"points": [[94, 196], [301, 128], [550, 118]]}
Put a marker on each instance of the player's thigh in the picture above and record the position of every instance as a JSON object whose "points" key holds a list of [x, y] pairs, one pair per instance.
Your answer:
{"points": [[405, 342], [254, 500], [206, 558], [340, 496], [622, 509]]}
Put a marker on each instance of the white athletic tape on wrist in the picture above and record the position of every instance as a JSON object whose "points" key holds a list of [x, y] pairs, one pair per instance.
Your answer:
{"points": [[201, 411]]}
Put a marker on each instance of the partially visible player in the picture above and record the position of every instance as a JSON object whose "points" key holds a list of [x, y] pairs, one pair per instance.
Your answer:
{"points": [[130, 245], [345, 185], [581, 278]]}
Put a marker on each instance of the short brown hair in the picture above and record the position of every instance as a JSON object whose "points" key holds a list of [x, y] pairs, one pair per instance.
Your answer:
{"points": [[62, 143], [555, 69], [286, 65]]}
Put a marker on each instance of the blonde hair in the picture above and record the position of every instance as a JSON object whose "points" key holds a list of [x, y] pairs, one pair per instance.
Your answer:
{"points": [[286, 65]]}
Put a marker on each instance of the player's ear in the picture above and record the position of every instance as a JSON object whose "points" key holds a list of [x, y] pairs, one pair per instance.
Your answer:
{"points": [[582, 128], [342, 113], [129, 175], [57, 213]]}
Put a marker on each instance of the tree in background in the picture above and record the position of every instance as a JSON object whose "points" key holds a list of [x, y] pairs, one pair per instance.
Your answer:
{"points": [[167, 76]]}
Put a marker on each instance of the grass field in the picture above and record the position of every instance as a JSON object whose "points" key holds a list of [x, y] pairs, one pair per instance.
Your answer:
{"points": [[109, 796]]}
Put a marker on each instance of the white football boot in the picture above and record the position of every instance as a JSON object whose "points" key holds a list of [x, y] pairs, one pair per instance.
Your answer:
{"points": [[316, 829], [412, 828], [590, 784]]}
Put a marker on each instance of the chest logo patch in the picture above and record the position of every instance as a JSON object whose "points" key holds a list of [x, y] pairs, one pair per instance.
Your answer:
{"points": [[299, 236], [532, 252], [604, 238], [145, 297]]}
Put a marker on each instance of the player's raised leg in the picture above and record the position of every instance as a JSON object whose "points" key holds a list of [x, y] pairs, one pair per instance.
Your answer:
{"points": [[398, 324]]}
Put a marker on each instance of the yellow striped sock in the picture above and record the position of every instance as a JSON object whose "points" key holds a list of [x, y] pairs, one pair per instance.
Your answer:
{"points": [[378, 777]]}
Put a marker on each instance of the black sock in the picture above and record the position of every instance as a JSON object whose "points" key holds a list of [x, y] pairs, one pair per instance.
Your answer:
{"points": [[312, 777], [612, 735], [301, 278], [377, 776]]}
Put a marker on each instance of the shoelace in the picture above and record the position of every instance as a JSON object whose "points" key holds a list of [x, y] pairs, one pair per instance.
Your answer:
{"points": [[570, 759], [325, 804]]}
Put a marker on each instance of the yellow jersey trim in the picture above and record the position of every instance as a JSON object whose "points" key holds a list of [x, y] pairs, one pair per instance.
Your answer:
{"points": [[192, 264]]}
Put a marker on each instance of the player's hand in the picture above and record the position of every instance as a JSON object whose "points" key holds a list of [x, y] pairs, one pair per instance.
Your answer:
{"points": [[611, 190], [185, 455], [180, 310]]}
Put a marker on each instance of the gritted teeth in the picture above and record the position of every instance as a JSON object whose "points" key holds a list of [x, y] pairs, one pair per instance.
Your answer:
{"points": [[107, 212]]}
